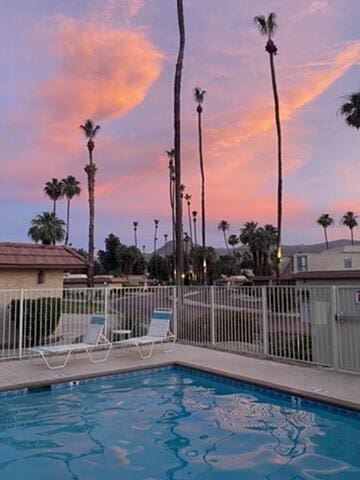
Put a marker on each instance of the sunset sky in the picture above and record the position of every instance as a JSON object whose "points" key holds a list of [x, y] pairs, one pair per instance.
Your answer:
{"points": [[113, 61]]}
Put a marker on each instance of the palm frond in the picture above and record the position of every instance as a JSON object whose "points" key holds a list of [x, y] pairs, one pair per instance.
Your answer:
{"points": [[272, 25], [89, 129], [350, 110], [261, 24], [199, 95]]}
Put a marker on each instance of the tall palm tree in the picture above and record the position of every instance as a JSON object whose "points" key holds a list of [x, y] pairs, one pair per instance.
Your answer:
{"points": [[156, 226], [70, 189], [233, 240], [90, 132], [194, 215], [47, 228], [54, 190], [199, 96], [267, 27], [224, 227], [349, 220], [325, 221], [135, 225], [351, 110], [188, 202], [177, 143]]}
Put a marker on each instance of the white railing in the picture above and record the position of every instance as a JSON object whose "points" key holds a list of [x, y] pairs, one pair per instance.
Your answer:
{"points": [[316, 325]]}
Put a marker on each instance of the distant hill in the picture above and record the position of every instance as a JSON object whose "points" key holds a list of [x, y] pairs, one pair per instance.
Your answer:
{"points": [[287, 250]]}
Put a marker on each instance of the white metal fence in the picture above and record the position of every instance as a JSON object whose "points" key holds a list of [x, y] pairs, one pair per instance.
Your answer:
{"points": [[318, 325]]}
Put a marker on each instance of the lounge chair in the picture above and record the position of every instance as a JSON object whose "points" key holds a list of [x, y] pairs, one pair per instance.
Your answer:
{"points": [[92, 340], [159, 332]]}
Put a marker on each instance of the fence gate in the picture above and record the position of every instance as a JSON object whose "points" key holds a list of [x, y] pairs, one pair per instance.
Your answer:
{"points": [[347, 327]]}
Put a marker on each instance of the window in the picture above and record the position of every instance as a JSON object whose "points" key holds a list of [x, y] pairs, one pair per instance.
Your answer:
{"points": [[347, 262], [41, 277], [302, 263]]}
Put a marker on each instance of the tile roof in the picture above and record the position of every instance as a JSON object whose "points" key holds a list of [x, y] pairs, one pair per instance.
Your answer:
{"points": [[30, 255]]}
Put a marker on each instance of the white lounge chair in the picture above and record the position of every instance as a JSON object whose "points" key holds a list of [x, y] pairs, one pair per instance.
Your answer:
{"points": [[159, 332], [93, 339]]}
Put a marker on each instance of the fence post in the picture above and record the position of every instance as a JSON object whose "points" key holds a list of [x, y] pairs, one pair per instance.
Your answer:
{"points": [[175, 312], [334, 328], [106, 307], [21, 323], [265, 326], [212, 317]]}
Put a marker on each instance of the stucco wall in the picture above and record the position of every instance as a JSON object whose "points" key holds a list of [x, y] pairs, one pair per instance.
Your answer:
{"points": [[28, 279], [328, 260]]}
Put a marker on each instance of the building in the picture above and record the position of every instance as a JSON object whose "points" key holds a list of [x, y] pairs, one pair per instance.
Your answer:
{"points": [[32, 266], [336, 266], [340, 266]]}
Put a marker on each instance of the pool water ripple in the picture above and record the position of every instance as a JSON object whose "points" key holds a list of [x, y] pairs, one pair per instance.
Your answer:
{"points": [[173, 424]]}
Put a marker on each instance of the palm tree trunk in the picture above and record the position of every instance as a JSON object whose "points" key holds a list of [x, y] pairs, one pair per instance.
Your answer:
{"points": [[135, 237], [202, 197], [195, 231], [226, 243], [67, 221], [190, 223], [177, 145], [91, 189], [352, 236], [326, 239], [54, 207], [172, 204], [279, 155]]}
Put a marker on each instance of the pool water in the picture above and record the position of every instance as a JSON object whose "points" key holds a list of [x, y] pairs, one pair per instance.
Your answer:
{"points": [[174, 424]]}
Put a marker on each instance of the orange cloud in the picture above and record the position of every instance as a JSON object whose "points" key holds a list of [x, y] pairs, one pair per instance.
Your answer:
{"points": [[102, 73]]}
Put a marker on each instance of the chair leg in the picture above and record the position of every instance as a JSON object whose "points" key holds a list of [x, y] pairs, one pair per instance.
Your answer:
{"points": [[54, 367], [144, 357], [172, 346], [93, 360]]}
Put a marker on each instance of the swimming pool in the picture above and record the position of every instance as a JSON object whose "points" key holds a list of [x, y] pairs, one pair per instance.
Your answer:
{"points": [[174, 423]]}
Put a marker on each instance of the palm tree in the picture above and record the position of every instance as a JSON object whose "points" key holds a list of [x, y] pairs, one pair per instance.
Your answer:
{"points": [[325, 221], [143, 249], [224, 227], [177, 143], [135, 225], [267, 27], [188, 202], [194, 215], [54, 190], [90, 132], [269, 243], [248, 237], [349, 220], [233, 240], [156, 226], [47, 228], [70, 189], [199, 96], [351, 110]]}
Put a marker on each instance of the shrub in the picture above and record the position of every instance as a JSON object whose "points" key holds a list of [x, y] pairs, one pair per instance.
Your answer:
{"points": [[40, 318]]}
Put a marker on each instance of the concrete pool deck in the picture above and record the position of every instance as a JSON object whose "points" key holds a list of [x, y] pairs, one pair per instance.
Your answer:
{"points": [[342, 389]]}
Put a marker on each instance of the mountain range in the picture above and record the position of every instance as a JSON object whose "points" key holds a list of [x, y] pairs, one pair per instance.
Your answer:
{"points": [[287, 250]]}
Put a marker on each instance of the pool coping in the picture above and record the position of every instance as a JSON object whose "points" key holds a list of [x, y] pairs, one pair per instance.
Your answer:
{"points": [[316, 397], [313, 396]]}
